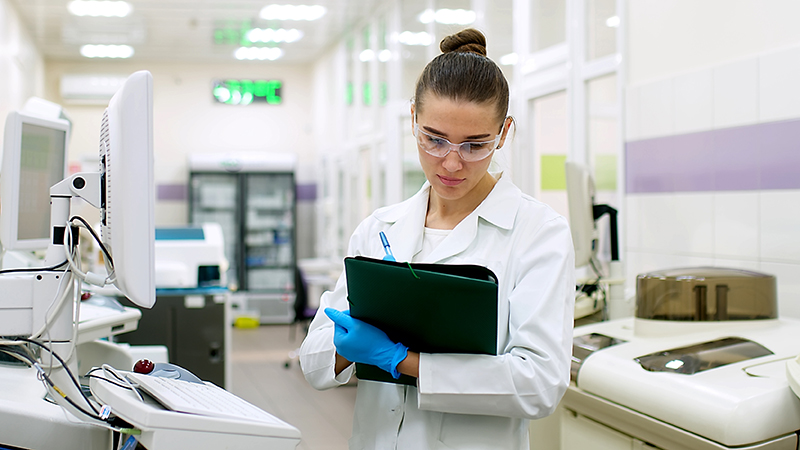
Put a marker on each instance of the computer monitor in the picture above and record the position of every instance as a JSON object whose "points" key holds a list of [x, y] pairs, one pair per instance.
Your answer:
{"points": [[580, 196], [127, 188], [34, 159], [36, 301]]}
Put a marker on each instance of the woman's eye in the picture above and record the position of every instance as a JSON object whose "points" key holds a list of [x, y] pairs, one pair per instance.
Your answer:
{"points": [[436, 141], [477, 146]]}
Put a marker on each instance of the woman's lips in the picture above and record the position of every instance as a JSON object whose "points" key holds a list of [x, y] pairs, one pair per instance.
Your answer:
{"points": [[447, 181]]}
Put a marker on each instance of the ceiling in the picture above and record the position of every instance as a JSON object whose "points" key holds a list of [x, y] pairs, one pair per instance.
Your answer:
{"points": [[202, 31]]}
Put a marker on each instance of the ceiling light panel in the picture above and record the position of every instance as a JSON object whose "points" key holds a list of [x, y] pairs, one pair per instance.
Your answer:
{"points": [[97, 8], [271, 35], [411, 38], [258, 53], [448, 16], [292, 12], [106, 51]]}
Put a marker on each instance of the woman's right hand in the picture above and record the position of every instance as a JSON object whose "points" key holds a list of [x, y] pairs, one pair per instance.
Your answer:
{"points": [[360, 342]]}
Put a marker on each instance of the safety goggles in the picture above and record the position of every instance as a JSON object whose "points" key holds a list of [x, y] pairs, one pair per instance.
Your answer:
{"points": [[441, 147]]}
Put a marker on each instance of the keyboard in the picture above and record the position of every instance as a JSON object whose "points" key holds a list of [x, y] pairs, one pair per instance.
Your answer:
{"points": [[195, 398]]}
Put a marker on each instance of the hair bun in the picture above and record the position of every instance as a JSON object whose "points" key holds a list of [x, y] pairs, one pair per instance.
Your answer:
{"points": [[469, 40]]}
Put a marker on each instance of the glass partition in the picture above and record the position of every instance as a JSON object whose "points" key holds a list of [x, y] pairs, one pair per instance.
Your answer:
{"points": [[601, 28], [548, 23]]}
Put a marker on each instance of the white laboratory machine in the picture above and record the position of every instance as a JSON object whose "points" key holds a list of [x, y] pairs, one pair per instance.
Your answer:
{"points": [[190, 257], [596, 290], [702, 365], [43, 403]]}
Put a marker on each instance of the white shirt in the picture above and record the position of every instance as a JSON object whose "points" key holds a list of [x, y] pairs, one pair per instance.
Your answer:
{"points": [[431, 238], [467, 401]]}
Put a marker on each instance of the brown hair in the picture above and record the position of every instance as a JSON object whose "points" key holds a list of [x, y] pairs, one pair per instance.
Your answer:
{"points": [[464, 73]]}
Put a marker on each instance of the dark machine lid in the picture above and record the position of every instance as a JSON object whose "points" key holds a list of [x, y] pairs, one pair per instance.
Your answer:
{"points": [[706, 294]]}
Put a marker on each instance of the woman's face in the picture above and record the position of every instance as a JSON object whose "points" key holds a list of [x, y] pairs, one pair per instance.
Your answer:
{"points": [[451, 177]]}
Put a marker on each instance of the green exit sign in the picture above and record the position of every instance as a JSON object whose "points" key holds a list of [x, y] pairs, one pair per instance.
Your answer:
{"points": [[245, 92]]}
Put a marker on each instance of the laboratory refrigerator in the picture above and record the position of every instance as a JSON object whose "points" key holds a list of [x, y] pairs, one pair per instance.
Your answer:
{"points": [[253, 198]]}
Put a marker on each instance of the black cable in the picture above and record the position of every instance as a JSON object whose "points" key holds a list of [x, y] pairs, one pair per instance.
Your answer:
{"points": [[12, 350], [66, 368], [96, 238], [109, 381], [36, 269], [7, 349], [50, 382]]}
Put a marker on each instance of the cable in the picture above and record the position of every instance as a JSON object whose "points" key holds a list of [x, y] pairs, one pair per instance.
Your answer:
{"points": [[594, 267], [54, 308], [48, 382], [95, 236], [89, 277], [108, 381], [110, 370], [66, 368], [35, 269]]}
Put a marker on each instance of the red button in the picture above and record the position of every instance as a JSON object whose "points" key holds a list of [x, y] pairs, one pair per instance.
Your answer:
{"points": [[144, 366]]}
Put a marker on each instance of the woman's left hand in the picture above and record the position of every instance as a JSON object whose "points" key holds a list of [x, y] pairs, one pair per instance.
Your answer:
{"points": [[358, 341]]}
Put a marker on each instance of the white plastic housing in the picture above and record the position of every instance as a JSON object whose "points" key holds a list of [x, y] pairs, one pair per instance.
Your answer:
{"points": [[127, 212]]}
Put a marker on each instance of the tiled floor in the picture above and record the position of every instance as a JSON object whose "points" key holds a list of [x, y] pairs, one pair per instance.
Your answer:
{"points": [[324, 418]]}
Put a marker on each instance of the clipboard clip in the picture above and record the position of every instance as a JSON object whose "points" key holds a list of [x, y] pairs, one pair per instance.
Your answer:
{"points": [[412, 270]]}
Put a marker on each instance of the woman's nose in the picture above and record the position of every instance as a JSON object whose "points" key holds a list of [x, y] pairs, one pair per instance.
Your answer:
{"points": [[452, 161]]}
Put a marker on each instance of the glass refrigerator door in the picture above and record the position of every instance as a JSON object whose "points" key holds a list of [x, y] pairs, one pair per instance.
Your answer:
{"points": [[269, 232], [215, 199]]}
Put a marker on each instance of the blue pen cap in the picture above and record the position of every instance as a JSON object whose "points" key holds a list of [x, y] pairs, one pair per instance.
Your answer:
{"points": [[386, 248]]}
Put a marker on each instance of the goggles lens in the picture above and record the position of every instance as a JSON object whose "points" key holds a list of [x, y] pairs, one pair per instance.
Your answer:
{"points": [[440, 147]]}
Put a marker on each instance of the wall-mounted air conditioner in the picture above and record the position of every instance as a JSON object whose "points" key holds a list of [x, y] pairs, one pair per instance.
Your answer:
{"points": [[89, 89]]}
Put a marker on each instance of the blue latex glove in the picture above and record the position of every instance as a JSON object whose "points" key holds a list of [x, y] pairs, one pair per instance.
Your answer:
{"points": [[358, 341]]}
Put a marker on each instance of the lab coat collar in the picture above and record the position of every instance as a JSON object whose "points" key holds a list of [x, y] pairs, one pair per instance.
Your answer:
{"points": [[408, 218]]}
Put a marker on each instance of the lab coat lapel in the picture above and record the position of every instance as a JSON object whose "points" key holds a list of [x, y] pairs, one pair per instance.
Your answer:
{"points": [[458, 240], [499, 208], [408, 231], [405, 224]]}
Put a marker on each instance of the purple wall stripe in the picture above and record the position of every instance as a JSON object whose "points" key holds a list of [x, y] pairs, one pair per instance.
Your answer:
{"points": [[178, 192], [307, 192], [753, 157]]}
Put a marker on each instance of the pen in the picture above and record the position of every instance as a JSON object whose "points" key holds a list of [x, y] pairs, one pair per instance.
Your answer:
{"points": [[389, 256]]}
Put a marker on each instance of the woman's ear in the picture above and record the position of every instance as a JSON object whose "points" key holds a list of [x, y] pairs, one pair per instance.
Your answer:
{"points": [[506, 126], [413, 117]]}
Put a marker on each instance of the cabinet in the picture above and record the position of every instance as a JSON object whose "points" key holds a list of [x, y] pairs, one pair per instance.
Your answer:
{"points": [[252, 196], [194, 326]]}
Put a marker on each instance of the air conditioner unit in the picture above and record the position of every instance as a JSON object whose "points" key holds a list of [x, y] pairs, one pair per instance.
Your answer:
{"points": [[88, 89]]}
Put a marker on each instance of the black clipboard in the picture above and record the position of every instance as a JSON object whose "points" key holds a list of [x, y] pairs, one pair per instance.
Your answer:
{"points": [[430, 308]]}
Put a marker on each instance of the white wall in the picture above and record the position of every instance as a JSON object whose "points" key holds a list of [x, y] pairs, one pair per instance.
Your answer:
{"points": [[666, 37], [698, 67], [21, 64], [187, 119]]}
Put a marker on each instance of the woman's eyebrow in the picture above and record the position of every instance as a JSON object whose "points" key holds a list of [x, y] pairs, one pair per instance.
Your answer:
{"points": [[474, 136]]}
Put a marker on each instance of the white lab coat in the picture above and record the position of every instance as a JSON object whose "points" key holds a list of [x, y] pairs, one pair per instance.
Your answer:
{"points": [[468, 401]]}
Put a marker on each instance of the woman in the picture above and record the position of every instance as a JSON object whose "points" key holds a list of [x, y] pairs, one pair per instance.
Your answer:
{"points": [[462, 215]]}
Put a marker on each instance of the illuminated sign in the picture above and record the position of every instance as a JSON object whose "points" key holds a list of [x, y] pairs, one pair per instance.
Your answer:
{"points": [[245, 92]]}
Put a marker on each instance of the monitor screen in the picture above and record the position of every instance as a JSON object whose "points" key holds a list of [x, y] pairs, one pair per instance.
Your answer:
{"points": [[580, 196], [34, 159], [41, 166]]}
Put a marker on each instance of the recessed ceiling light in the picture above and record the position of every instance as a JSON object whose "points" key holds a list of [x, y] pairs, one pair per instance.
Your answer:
{"points": [[259, 53], [411, 38], [448, 16], [96, 8], [292, 12], [106, 51], [272, 35]]}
